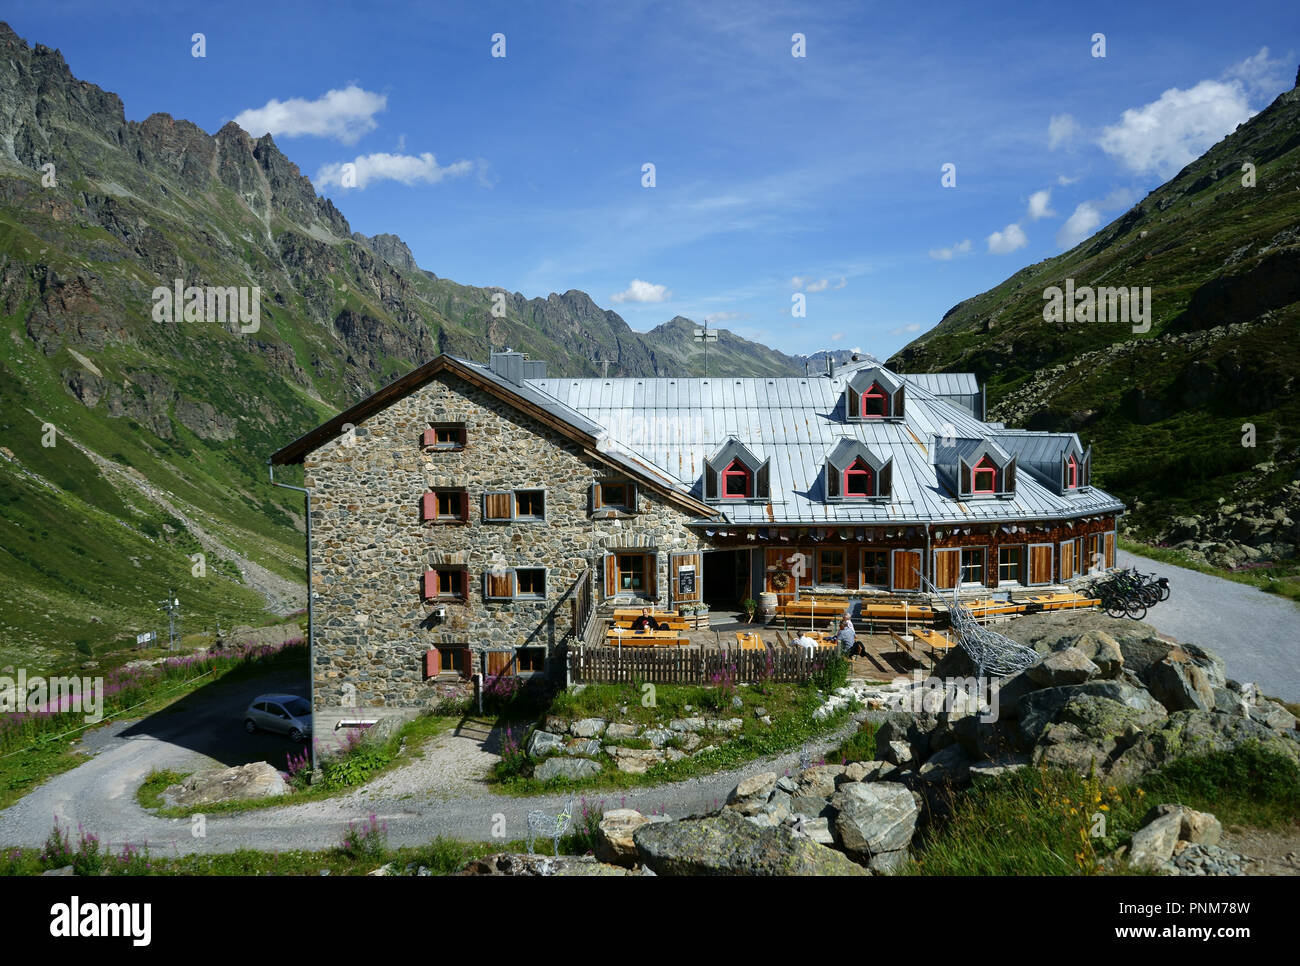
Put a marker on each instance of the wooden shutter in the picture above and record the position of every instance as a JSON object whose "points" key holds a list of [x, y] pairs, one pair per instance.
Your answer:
{"points": [[896, 410], [947, 568], [675, 563], [429, 507], [850, 403], [1067, 559], [906, 566], [498, 506], [429, 586], [885, 479], [430, 438], [630, 490], [652, 575], [499, 586], [710, 482], [964, 479], [596, 499], [611, 574], [499, 661], [1009, 484], [1040, 563], [1110, 549], [762, 486], [432, 663], [832, 481]]}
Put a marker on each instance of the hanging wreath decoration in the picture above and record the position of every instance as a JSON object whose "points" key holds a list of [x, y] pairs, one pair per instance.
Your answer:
{"points": [[781, 580]]}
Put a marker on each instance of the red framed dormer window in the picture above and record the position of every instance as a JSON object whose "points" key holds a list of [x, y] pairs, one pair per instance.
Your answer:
{"points": [[984, 477], [859, 479], [875, 404], [1071, 473], [737, 481]]}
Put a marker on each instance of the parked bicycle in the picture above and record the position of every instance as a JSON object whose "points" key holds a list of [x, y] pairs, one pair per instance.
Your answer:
{"points": [[1128, 593]]}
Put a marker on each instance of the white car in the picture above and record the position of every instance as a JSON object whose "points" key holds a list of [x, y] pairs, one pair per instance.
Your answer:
{"points": [[285, 714]]}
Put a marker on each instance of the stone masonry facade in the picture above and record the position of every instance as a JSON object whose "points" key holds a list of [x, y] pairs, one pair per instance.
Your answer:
{"points": [[373, 625]]}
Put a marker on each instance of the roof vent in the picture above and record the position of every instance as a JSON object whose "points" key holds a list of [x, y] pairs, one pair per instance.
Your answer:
{"points": [[513, 367]]}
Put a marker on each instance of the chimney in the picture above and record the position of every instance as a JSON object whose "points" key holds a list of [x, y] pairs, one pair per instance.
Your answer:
{"points": [[830, 366], [512, 367]]}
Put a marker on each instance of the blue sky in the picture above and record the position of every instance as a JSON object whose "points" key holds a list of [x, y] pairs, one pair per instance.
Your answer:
{"points": [[774, 174]]}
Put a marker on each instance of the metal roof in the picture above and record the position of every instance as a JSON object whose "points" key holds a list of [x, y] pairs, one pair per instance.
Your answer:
{"points": [[945, 383], [795, 422]]}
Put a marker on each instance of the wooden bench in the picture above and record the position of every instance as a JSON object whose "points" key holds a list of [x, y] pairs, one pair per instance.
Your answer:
{"points": [[644, 638], [904, 645]]}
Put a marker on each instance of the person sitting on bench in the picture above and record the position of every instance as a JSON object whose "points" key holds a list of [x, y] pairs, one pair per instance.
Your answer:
{"points": [[806, 642], [848, 638], [645, 622]]}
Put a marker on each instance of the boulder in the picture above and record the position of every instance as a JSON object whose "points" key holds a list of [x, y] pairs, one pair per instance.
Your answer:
{"points": [[864, 771], [817, 829], [1179, 684], [752, 793], [1230, 702], [1039, 708], [1199, 828], [543, 743], [1091, 730], [659, 737], [239, 784], [894, 752], [951, 766], [873, 820], [583, 747], [613, 840], [619, 731], [989, 770], [1272, 715], [1067, 666], [1103, 651], [555, 725], [635, 761], [1188, 733], [571, 768], [588, 727], [819, 780], [687, 724], [1153, 844], [729, 844]]}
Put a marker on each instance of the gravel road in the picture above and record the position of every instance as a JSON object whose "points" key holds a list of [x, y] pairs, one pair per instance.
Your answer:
{"points": [[1256, 633]]}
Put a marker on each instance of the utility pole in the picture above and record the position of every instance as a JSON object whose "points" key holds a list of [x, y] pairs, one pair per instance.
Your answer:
{"points": [[705, 336], [172, 606]]}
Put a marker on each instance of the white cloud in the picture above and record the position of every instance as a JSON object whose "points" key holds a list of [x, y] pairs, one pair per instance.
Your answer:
{"points": [[837, 336], [1176, 129], [724, 317], [799, 281], [406, 168], [904, 329], [1040, 204], [823, 284], [1087, 216], [1065, 182], [1079, 225], [947, 254], [640, 291], [1261, 74], [343, 115], [1007, 240], [1061, 130]]}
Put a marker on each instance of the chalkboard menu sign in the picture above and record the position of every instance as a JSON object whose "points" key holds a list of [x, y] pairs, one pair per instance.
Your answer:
{"points": [[686, 581]]}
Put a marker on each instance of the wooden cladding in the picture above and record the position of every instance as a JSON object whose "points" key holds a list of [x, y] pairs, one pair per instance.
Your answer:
{"points": [[498, 506], [947, 568], [907, 570], [499, 585], [1110, 549], [675, 564], [1068, 568], [1040, 563]]}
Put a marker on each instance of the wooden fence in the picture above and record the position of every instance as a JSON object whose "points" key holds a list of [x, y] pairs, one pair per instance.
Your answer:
{"points": [[685, 665]]}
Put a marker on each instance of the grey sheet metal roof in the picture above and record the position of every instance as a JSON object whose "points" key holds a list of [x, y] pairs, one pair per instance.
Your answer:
{"points": [[945, 383], [795, 422]]}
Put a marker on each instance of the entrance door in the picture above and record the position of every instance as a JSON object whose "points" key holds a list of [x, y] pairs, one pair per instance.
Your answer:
{"points": [[685, 579], [726, 577]]}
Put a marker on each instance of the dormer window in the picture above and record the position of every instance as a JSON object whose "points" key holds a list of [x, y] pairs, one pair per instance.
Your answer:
{"points": [[1071, 473], [981, 469], [854, 473], [735, 473], [736, 480], [875, 404], [859, 479], [873, 394]]}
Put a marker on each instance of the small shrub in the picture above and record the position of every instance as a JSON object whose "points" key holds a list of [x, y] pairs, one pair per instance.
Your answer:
{"points": [[833, 673], [88, 859], [513, 759], [368, 841], [299, 768], [57, 851], [131, 861]]}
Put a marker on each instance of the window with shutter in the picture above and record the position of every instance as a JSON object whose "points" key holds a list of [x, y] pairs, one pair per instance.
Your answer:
{"points": [[498, 506], [444, 436], [611, 575], [530, 582], [444, 506], [530, 505], [499, 584]]}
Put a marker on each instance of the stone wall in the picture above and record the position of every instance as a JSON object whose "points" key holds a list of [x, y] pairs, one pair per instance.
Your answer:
{"points": [[371, 547]]}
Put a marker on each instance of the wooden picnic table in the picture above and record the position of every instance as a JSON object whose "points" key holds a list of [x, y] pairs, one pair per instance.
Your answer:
{"points": [[987, 608], [671, 625], [936, 640], [632, 613], [644, 638], [828, 609], [1059, 601], [750, 641]]}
